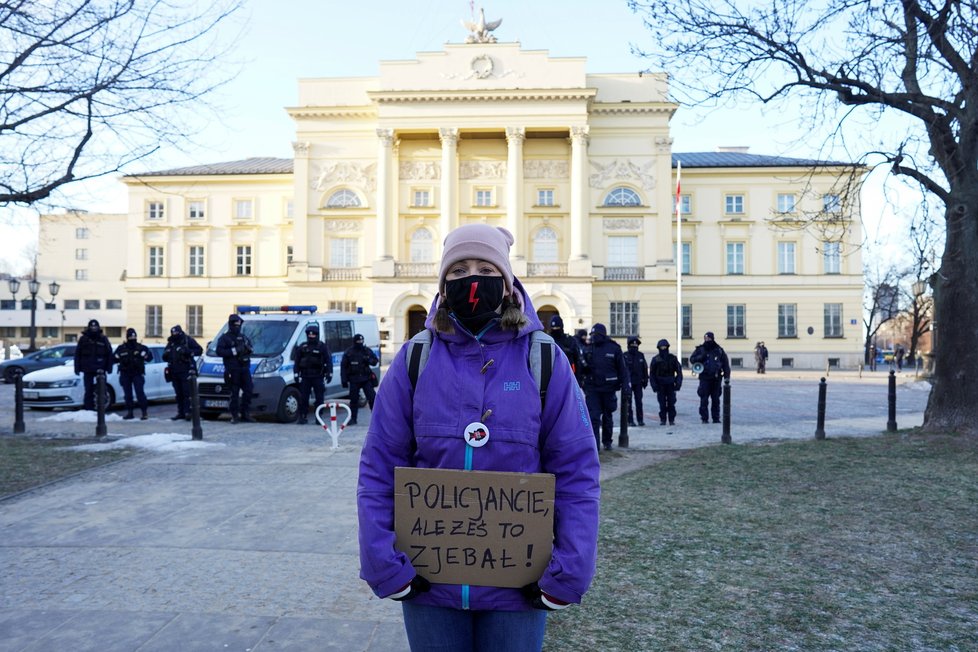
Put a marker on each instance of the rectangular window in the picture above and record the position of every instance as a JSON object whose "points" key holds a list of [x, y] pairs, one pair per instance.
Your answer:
{"points": [[545, 197], [786, 258], [81, 274], [195, 261], [154, 321], [735, 258], [483, 198], [343, 252], [242, 260], [831, 203], [422, 198], [733, 204], [8, 304], [736, 320], [786, 203], [50, 306], [8, 331], [113, 331], [832, 257], [81, 254], [243, 209], [154, 210], [687, 260], [195, 210], [687, 321], [93, 304], [50, 332], [288, 254], [622, 251], [25, 304], [342, 306], [624, 318], [787, 320], [25, 331], [113, 304], [289, 209], [81, 233], [685, 204], [195, 321], [833, 320], [155, 261], [71, 304]]}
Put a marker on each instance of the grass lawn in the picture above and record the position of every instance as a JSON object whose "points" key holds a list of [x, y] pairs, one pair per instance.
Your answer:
{"points": [[27, 462], [844, 544]]}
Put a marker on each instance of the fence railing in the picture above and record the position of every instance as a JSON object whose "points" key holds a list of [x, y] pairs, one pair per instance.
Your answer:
{"points": [[624, 273]]}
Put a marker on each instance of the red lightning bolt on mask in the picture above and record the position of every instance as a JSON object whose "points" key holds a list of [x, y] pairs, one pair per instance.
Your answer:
{"points": [[473, 300]]}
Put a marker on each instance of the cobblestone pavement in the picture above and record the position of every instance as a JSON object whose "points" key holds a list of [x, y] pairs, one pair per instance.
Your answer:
{"points": [[251, 544]]}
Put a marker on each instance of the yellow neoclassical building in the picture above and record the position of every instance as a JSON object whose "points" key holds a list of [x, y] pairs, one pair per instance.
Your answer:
{"points": [[579, 167]]}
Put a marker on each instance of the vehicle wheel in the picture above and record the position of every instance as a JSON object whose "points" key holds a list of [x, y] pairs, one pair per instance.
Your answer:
{"points": [[288, 405], [209, 415], [109, 397], [10, 372]]}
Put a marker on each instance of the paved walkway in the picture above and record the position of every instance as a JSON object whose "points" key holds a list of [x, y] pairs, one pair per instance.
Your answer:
{"points": [[250, 543]]}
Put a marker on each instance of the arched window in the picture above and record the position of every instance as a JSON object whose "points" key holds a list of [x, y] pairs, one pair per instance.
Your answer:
{"points": [[343, 199], [422, 246], [622, 196], [545, 246]]}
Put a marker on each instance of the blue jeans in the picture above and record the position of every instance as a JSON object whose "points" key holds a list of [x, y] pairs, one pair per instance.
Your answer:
{"points": [[442, 629]]}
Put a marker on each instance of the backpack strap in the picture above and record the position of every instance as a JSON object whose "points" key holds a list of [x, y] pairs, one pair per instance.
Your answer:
{"points": [[541, 359], [419, 347]]}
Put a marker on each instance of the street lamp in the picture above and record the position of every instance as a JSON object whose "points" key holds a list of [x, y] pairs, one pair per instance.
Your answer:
{"points": [[33, 287]]}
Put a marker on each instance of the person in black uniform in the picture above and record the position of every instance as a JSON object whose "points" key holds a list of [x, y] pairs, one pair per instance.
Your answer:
{"points": [[355, 373], [605, 376], [93, 352], [666, 377], [313, 363], [235, 348], [570, 346], [179, 356], [638, 378], [716, 367], [131, 357]]}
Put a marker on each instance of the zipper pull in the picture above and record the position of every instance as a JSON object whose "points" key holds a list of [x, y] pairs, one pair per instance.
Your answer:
{"points": [[487, 365], [486, 415]]}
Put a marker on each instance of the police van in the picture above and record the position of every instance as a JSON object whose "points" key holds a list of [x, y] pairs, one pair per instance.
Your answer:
{"points": [[274, 331]]}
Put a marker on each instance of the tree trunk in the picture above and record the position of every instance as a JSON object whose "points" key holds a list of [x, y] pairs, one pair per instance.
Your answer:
{"points": [[953, 402]]}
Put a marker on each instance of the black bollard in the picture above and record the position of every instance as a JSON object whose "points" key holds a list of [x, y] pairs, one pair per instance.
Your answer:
{"points": [[820, 424], [623, 421], [891, 424], [196, 433], [19, 427], [725, 437], [100, 404]]}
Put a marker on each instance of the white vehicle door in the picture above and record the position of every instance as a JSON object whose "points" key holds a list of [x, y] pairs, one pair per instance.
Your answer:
{"points": [[156, 386]]}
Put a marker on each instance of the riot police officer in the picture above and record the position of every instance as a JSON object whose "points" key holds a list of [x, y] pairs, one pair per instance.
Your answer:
{"points": [[605, 376], [93, 352], [638, 377], [570, 346], [313, 363], [235, 348], [666, 376], [131, 356], [716, 367], [179, 356], [355, 373]]}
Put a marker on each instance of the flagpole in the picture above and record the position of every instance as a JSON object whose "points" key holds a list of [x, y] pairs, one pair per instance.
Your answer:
{"points": [[679, 262]]}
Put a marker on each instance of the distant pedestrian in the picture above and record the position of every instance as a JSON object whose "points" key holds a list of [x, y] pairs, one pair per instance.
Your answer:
{"points": [[313, 368], [638, 378], [716, 367], [356, 373], [606, 376], [131, 358], [570, 346], [760, 357], [179, 356], [899, 355], [92, 353], [236, 348], [872, 357], [666, 378]]}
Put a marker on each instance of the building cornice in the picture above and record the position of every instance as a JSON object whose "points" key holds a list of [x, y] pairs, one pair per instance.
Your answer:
{"points": [[357, 112], [488, 95], [624, 108]]}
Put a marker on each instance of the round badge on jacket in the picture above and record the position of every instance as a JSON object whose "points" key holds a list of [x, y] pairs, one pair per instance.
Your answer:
{"points": [[476, 434]]}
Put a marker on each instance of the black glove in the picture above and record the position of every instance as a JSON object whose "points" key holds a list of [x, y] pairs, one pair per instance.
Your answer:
{"points": [[329, 379], [417, 586], [533, 593]]}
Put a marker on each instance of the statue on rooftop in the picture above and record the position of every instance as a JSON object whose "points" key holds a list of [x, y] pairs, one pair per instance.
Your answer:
{"points": [[480, 30]]}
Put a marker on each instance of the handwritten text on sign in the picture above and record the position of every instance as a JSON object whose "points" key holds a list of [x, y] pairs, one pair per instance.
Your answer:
{"points": [[475, 527]]}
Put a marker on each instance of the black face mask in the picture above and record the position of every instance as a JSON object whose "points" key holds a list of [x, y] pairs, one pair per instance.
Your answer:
{"points": [[474, 299]]}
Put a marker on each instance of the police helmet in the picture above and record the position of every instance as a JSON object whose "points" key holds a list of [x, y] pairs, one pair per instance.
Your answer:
{"points": [[662, 344]]}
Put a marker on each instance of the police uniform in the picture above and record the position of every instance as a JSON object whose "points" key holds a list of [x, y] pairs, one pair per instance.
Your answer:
{"points": [[605, 376], [235, 348], [356, 374], [179, 356], [313, 364]]}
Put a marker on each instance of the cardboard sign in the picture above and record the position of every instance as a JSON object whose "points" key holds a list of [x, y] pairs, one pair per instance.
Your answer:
{"points": [[475, 527]]}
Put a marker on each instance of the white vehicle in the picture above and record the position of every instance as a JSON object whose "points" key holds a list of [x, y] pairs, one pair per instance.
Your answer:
{"points": [[56, 387], [274, 331]]}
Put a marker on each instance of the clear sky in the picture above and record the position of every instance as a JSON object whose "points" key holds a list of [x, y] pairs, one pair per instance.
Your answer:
{"points": [[280, 41]]}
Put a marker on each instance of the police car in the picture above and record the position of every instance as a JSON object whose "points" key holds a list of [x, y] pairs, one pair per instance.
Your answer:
{"points": [[274, 331]]}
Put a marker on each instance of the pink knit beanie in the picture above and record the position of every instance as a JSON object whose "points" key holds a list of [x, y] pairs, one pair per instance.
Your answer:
{"points": [[490, 243]]}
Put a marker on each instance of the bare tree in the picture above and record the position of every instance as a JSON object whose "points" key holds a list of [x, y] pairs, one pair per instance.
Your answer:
{"points": [[911, 65], [881, 303], [89, 86]]}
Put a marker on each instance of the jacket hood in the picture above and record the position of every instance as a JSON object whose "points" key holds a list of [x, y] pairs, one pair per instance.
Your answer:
{"points": [[493, 334]]}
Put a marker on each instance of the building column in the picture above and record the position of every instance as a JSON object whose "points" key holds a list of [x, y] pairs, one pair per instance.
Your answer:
{"points": [[385, 165], [298, 270], [449, 179], [515, 136], [579, 192]]}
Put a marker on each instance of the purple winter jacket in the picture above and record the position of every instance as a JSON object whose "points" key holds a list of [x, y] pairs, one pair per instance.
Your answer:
{"points": [[452, 392]]}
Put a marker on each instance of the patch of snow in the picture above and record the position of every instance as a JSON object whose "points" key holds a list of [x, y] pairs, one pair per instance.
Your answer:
{"points": [[80, 416], [158, 441]]}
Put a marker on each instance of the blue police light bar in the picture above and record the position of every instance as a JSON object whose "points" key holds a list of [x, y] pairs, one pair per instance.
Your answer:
{"points": [[246, 310]]}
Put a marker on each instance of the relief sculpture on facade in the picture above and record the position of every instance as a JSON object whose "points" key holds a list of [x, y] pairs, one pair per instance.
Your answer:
{"points": [[482, 170], [622, 170], [623, 224], [419, 170], [342, 226], [546, 169], [331, 174]]}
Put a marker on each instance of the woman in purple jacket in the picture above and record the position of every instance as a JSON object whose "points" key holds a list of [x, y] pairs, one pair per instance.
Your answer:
{"points": [[481, 323]]}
